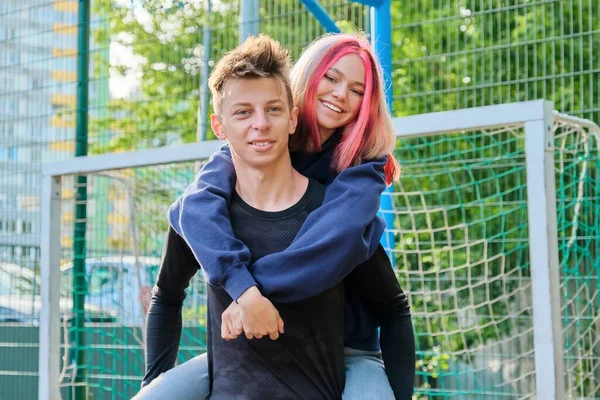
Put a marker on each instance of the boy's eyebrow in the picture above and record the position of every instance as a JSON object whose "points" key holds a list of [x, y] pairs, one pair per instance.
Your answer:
{"points": [[337, 71], [242, 104]]}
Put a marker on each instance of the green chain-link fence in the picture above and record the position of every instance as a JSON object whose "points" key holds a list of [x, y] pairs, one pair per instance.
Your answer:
{"points": [[147, 63]]}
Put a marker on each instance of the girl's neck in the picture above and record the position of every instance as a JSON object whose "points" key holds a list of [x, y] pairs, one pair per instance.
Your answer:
{"points": [[325, 134]]}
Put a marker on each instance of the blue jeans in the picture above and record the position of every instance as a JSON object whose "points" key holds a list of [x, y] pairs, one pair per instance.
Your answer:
{"points": [[365, 379]]}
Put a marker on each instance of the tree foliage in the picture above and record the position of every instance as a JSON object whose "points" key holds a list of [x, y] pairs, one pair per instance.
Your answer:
{"points": [[447, 55]]}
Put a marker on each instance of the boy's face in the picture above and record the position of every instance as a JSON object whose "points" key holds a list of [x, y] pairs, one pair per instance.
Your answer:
{"points": [[256, 120]]}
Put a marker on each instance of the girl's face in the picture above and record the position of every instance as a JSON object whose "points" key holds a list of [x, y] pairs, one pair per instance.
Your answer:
{"points": [[340, 94]]}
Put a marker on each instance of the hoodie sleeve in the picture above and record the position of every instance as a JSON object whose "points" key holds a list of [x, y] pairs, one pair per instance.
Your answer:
{"points": [[342, 233], [201, 217]]}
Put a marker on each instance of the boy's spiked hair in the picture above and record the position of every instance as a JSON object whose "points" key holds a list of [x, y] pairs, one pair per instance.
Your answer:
{"points": [[258, 57]]}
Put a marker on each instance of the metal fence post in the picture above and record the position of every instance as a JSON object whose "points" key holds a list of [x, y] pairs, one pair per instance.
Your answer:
{"points": [[204, 102], [381, 37], [543, 249], [249, 19], [49, 356], [80, 225]]}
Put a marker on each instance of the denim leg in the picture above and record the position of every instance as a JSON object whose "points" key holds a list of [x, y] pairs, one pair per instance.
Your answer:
{"points": [[365, 377], [187, 381]]}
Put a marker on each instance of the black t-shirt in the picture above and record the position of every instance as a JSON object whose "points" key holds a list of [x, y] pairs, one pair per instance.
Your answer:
{"points": [[307, 361]]}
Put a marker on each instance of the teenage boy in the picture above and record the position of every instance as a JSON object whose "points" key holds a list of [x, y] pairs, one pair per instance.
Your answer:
{"points": [[254, 113]]}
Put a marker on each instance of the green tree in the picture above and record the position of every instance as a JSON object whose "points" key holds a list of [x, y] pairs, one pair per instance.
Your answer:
{"points": [[447, 55]]}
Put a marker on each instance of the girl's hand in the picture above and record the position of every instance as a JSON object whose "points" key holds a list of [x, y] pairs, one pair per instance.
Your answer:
{"points": [[259, 316]]}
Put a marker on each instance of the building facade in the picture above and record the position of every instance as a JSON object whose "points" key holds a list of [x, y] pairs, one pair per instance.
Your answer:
{"points": [[38, 83]]}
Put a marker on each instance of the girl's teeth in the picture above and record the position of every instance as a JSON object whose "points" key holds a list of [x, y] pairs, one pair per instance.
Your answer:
{"points": [[333, 108]]}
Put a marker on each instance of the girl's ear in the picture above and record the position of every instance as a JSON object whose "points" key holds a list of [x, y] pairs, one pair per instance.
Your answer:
{"points": [[217, 126]]}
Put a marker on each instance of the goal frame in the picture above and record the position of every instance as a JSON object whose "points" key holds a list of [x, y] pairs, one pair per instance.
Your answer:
{"points": [[537, 119]]}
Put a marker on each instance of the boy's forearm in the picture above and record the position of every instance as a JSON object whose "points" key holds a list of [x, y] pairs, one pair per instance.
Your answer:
{"points": [[397, 341], [376, 284], [163, 327], [163, 332]]}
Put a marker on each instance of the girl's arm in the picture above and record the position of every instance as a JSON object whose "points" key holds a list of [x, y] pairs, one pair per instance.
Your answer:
{"points": [[335, 238], [376, 284], [201, 217]]}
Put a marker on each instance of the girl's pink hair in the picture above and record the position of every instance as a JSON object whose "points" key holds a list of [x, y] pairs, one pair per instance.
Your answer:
{"points": [[370, 134]]}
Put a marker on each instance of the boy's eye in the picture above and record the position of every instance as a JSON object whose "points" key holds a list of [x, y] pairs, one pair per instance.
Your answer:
{"points": [[242, 112], [275, 109]]}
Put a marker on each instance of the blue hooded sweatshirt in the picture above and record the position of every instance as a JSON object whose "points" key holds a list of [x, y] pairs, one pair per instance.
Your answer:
{"points": [[341, 234]]}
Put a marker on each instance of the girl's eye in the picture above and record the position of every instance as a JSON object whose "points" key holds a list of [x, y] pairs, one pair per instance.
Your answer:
{"points": [[330, 78], [358, 92]]}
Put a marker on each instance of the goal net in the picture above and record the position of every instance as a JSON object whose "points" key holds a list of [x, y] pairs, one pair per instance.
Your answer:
{"points": [[463, 257]]}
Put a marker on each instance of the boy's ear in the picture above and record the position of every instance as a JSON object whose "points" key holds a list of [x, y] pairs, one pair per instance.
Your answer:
{"points": [[293, 120], [217, 126]]}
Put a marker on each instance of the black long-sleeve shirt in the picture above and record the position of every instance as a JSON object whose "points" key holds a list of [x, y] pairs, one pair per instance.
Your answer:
{"points": [[307, 361], [372, 287]]}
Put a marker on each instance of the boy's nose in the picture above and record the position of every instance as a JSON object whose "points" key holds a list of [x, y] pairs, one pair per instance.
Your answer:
{"points": [[262, 121]]}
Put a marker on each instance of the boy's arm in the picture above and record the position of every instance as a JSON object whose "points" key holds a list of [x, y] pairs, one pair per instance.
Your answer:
{"points": [[377, 285], [201, 217], [334, 239], [163, 328]]}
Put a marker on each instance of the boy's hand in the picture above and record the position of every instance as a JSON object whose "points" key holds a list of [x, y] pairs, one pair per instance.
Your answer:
{"points": [[231, 322], [259, 316]]}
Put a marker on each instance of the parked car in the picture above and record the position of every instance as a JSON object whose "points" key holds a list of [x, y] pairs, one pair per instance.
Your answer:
{"points": [[113, 286], [20, 298], [8, 314]]}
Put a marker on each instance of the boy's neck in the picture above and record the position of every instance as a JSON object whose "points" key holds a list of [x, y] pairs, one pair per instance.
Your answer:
{"points": [[272, 188]]}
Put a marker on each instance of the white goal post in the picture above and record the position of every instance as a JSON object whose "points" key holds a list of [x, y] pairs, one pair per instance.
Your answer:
{"points": [[536, 119]]}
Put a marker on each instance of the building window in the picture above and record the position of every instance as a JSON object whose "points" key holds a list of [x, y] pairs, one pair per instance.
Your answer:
{"points": [[25, 227]]}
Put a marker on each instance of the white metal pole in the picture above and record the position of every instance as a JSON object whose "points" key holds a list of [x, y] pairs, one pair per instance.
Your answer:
{"points": [[49, 355], [543, 249]]}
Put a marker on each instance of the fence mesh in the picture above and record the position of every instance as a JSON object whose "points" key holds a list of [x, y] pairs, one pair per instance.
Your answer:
{"points": [[456, 54], [105, 355], [146, 62]]}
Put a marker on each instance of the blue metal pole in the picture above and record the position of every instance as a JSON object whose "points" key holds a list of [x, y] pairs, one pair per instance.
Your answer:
{"points": [[382, 43], [321, 16], [249, 19], [381, 37]]}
